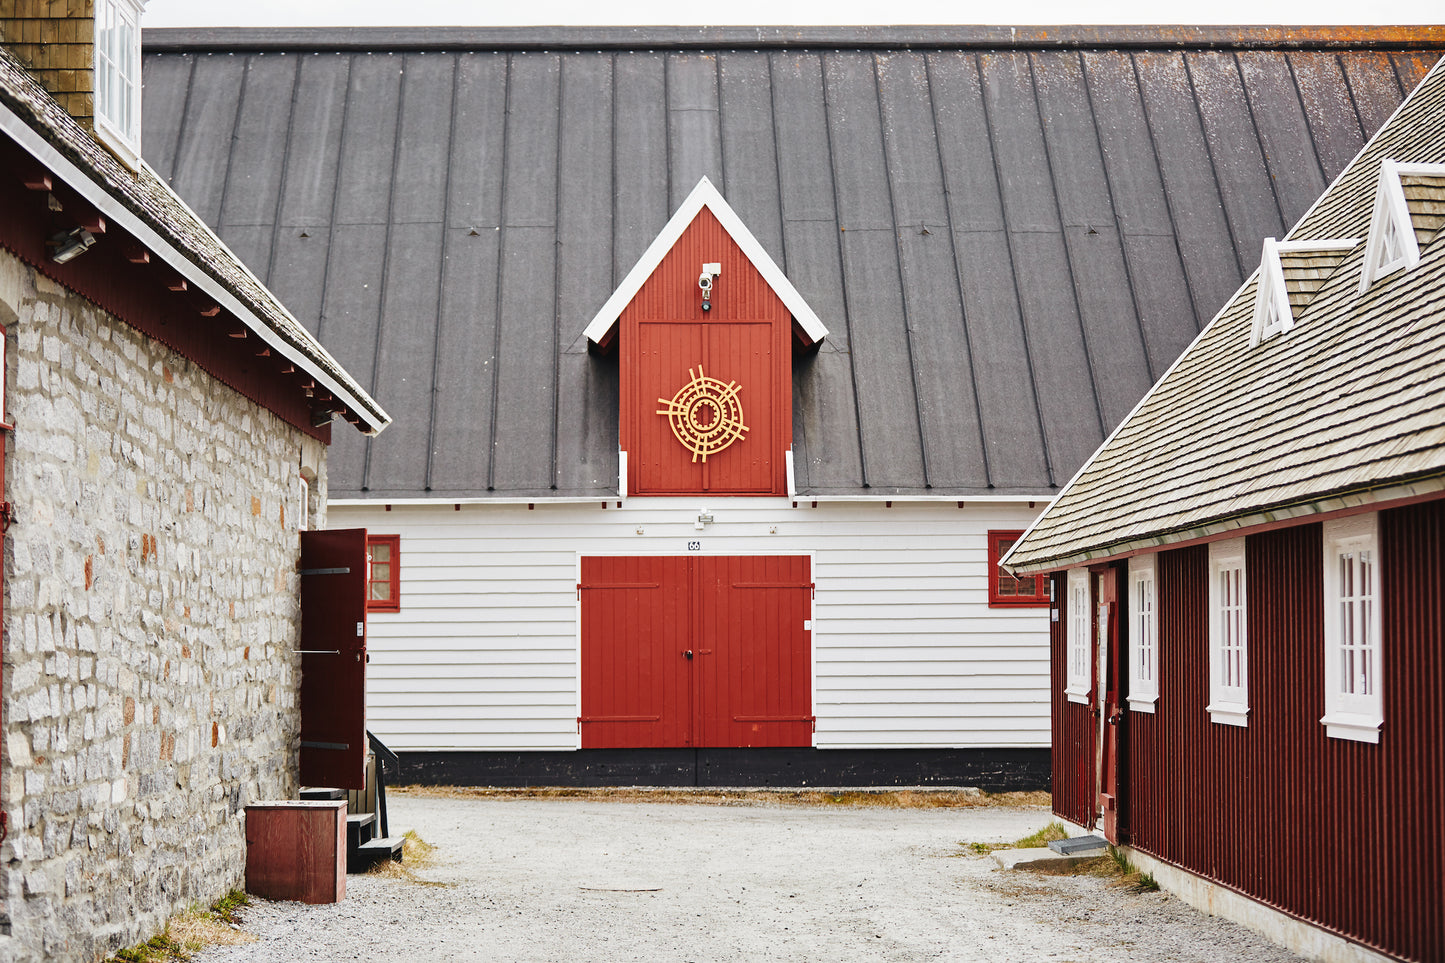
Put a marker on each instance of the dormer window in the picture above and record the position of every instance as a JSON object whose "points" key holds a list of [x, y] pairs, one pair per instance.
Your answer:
{"points": [[118, 76], [1291, 273], [1406, 217]]}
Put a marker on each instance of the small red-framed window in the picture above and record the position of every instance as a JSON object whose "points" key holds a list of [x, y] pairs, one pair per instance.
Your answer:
{"points": [[383, 573], [1007, 591]]}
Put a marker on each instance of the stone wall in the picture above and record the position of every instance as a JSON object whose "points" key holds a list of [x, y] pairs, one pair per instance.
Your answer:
{"points": [[150, 616]]}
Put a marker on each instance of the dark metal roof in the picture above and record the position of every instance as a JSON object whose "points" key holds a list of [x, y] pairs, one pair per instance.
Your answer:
{"points": [[156, 207], [1007, 243]]}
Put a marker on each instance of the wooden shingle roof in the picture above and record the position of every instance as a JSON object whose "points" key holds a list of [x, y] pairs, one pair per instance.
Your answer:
{"points": [[1346, 408], [1009, 235]]}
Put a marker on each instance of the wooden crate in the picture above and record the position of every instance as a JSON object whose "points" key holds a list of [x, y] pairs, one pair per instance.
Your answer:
{"points": [[296, 850]]}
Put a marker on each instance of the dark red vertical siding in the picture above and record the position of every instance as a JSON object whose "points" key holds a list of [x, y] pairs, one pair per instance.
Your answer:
{"points": [[1073, 725], [1330, 830]]}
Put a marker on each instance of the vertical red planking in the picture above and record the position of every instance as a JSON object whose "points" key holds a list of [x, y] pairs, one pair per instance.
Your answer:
{"points": [[635, 630], [1322, 828], [748, 681], [333, 658], [744, 338]]}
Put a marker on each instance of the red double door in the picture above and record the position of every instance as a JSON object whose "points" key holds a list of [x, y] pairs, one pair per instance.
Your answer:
{"points": [[696, 651]]}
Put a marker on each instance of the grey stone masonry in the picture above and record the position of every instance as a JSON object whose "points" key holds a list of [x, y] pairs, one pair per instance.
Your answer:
{"points": [[151, 613]]}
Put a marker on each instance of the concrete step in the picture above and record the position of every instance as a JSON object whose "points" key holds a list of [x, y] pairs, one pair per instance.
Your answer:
{"points": [[360, 827], [1037, 858], [320, 792], [1080, 846]]}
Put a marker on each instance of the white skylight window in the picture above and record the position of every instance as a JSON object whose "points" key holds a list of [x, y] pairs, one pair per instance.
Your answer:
{"points": [[1291, 273], [1403, 196], [118, 76]]}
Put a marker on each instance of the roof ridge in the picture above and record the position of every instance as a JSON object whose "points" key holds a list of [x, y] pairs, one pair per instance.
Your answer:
{"points": [[944, 36]]}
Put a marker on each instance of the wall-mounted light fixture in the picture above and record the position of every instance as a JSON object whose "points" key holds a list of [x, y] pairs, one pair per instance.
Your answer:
{"points": [[69, 245], [703, 518], [706, 279]]}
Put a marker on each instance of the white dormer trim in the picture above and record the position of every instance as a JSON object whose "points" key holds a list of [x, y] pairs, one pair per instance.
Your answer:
{"points": [[1272, 311], [705, 195], [1391, 243]]}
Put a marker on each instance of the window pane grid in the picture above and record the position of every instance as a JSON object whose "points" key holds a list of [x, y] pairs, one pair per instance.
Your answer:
{"points": [[1231, 615], [1357, 646]]}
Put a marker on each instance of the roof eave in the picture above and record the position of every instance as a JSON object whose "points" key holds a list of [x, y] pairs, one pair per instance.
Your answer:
{"points": [[1387, 494], [373, 419]]}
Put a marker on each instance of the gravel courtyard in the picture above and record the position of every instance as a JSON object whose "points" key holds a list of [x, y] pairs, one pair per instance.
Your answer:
{"points": [[589, 880]]}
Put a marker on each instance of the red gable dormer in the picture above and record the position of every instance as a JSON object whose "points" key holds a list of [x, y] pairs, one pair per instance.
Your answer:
{"points": [[704, 326]]}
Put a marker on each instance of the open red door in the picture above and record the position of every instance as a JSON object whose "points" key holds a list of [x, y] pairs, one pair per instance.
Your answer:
{"points": [[1110, 695], [333, 658]]}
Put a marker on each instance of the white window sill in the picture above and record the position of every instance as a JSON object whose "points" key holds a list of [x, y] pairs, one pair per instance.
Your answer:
{"points": [[117, 143], [1143, 703], [1080, 697], [1354, 728], [1229, 715]]}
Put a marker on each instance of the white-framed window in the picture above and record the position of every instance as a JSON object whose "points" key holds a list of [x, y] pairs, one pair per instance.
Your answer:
{"points": [[118, 76], [303, 508], [1078, 679], [1228, 634], [1354, 699], [1143, 633]]}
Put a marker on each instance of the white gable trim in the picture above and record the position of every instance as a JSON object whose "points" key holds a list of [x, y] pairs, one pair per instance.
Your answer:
{"points": [[705, 195], [1273, 314], [1392, 213]]}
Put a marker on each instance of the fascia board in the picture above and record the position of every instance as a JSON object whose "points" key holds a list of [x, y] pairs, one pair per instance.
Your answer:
{"points": [[704, 195], [374, 417]]}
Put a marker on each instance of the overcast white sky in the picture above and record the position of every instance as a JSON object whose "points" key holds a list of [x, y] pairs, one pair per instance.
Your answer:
{"points": [[251, 13]]}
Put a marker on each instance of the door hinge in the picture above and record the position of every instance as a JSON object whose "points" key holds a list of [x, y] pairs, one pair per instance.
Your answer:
{"points": [[579, 598], [7, 518]]}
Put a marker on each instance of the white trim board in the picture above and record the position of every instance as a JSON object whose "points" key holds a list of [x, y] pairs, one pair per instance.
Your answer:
{"points": [[705, 195]]}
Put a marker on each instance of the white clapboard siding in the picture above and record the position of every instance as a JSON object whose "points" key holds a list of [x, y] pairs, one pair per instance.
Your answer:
{"points": [[484, 652]]}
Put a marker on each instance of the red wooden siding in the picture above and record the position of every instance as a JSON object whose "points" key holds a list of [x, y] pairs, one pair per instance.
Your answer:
{"points": [[1330, 830], [1073, 761], [748, 681], [745, 338]]}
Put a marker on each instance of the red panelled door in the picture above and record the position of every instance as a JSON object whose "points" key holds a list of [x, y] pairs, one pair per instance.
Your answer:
{"points": [[696, 651], [333, 658], [1109, 665]]}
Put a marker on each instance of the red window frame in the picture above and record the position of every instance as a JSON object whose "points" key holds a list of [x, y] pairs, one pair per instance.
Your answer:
{"points": [[392, 600], [1012, 592]]}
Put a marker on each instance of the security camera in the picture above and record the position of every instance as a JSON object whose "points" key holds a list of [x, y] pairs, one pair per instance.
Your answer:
{"points": [[704, 281]]}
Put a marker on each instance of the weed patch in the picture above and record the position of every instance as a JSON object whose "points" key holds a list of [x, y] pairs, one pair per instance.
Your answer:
{"points": [[193, 931], [416, 853], [1035, 840]]}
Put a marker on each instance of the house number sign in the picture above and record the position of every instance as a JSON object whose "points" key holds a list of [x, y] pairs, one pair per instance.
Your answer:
{"points": [[705, 414]]}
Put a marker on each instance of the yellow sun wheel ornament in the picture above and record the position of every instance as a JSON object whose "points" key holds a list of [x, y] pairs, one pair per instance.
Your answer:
{"points": [[705, 414]]}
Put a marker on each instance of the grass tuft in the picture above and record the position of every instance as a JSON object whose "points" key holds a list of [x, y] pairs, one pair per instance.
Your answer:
{"points": [[1042, 837], [416, 853], [193, 931]]}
